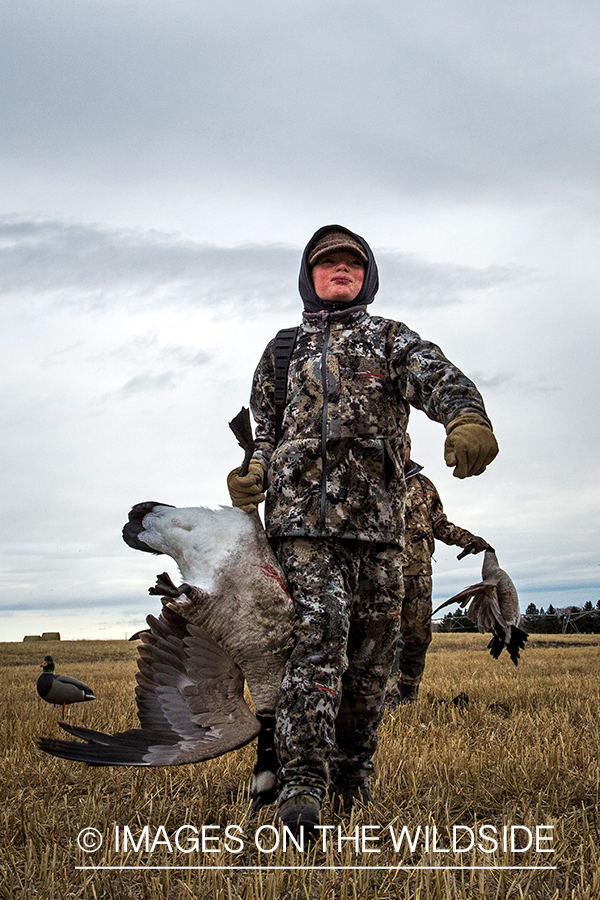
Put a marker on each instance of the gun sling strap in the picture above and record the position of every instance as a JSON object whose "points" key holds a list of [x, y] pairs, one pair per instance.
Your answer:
{"points": [[285, 341]]}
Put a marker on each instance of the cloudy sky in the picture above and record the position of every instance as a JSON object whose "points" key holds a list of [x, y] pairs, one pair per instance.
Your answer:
{"points": [[162, 166]]}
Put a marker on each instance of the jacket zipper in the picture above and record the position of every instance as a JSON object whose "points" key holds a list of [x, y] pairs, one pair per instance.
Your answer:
{"points": [[324, 424]]}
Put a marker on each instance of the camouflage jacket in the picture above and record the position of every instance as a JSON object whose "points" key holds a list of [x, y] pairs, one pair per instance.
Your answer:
{"points": [[337, 470], [424, 521]]}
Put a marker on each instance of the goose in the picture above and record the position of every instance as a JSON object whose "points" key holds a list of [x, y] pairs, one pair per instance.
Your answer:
{"points": [[61, 689], [495, 608], [230, 620]]}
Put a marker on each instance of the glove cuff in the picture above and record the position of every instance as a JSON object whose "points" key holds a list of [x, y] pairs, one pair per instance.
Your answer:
{"points": [[468, 419]]}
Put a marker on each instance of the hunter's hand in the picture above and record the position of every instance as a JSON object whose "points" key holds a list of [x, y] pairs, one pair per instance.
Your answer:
{"points": [[248, 491], [476, 545], [470, 445]]}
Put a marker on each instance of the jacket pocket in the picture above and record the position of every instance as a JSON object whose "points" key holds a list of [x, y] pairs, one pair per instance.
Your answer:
{"points": [[393, 456]]}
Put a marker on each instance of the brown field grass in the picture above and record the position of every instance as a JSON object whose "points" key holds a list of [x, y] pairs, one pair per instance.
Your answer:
{"points": [[523, 752]]}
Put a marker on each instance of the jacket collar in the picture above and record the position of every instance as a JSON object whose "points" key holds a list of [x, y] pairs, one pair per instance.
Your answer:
{"points": [[317, 321]]}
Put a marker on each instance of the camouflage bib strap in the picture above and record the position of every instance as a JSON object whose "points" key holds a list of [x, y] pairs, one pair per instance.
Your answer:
{"points": [[285, 341]]}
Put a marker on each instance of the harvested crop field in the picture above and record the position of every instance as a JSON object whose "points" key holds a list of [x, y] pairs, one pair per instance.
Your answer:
{"points": [[462, 790]]}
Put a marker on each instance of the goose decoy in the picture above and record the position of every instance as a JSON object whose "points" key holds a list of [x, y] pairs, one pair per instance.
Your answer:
{"points": [[230, 620], [61, 689], [494, 607]]}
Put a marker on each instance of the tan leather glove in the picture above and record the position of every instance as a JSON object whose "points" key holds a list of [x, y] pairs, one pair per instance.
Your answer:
{"points": [[247, 492], [470, 445]]}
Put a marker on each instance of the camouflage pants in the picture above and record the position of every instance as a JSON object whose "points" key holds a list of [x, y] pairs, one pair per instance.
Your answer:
{"points": [[348, 599], [415, 630]]}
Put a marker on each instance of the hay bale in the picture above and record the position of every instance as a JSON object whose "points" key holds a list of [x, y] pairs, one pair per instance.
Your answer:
{"points": [[50, 636], [32, 637]]}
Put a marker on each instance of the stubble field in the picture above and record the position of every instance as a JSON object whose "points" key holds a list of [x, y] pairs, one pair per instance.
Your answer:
{"points": [[518, 763]]}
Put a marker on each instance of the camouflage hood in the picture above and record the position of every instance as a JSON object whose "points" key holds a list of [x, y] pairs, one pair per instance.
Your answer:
{"points": [[313, 303]]}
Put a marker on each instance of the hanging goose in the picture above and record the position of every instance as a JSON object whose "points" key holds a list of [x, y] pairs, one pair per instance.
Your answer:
{"points": [[230, 620], [61, 689], [494, 607]]}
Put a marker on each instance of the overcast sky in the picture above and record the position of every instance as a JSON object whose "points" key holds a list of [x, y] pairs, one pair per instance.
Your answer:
{"points": [[162, 166]]}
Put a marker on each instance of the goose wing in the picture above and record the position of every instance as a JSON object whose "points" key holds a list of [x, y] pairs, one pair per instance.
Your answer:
{"points": [[484, 608], [190, 704], [464, 596], [494, 605]]}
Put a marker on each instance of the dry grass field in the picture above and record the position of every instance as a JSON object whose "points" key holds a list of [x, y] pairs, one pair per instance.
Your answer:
{"points": [[523, 754]]}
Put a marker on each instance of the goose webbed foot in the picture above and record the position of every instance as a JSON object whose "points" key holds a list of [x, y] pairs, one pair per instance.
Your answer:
{"points": [[164, 587]]}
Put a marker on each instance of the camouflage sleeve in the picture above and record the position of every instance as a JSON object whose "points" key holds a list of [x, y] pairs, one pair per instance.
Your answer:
{"points": [[429, 381], [262, 404], [443, 530], [448, 533]]}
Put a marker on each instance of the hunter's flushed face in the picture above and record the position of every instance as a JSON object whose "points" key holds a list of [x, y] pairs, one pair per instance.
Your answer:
{"points": [[338, 276]]}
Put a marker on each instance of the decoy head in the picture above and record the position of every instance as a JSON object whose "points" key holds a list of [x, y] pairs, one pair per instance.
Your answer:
{"points": [[48, 664]]}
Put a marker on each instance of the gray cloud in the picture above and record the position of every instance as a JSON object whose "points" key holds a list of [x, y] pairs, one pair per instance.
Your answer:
{"points": [[89, 260], [94, 268], [514, 382], [419, 283], [151, 347], [147, 382], [463, 100]]}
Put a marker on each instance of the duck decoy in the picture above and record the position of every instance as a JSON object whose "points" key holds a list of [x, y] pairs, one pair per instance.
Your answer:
{"points": [[494, 607], [61, 689]]}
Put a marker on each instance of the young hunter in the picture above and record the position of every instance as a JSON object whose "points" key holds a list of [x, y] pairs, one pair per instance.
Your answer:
{"points": [[335, 489], [424, 522]]}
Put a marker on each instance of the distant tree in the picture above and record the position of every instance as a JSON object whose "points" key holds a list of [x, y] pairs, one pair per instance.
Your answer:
{"points": [[552, 622], [589, 621], [532, 619]]}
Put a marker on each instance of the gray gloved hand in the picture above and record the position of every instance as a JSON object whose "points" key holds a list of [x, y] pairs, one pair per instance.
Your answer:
{"points": [[470, 445], [248, 491]]}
